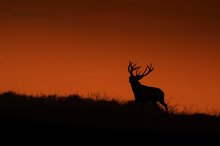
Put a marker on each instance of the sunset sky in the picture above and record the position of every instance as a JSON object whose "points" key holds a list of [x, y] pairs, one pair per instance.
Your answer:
{"points": [[82, 46]]}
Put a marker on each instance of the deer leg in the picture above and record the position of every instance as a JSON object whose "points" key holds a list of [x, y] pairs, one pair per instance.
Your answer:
{"points": [[164, 104], [155, 106], [142, 107], [139, 107], [135, 105]]}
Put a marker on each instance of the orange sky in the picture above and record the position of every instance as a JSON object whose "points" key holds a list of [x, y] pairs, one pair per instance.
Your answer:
{"points": [[64, 46]]}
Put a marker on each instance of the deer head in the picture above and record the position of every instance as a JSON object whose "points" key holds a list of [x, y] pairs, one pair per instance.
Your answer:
{"points": [[138, 75]]}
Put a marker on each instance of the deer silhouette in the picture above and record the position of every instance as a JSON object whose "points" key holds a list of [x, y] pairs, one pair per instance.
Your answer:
{"points": [[142, 93]]}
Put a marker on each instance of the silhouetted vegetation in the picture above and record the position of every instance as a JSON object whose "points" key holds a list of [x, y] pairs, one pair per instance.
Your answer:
{"points": [[73, 113]]}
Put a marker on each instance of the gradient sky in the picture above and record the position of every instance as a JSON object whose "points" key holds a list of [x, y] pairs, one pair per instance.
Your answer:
{"points": [[82, 46]]}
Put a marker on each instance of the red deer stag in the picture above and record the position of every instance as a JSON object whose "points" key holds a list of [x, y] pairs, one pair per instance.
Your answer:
{"points": [[141, 92]]}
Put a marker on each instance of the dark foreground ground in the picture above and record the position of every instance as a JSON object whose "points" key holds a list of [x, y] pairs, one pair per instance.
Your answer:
{"points": [[76, 120]]}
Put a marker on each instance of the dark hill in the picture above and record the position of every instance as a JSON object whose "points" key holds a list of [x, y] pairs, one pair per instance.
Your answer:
{"points": [[56, 116]]}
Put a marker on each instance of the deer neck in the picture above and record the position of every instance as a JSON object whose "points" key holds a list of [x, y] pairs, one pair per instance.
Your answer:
{"points": [[136, 85]]}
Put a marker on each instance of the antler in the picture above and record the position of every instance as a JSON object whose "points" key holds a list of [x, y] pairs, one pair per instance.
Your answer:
{"points": [[147, 70], [132, 67]]}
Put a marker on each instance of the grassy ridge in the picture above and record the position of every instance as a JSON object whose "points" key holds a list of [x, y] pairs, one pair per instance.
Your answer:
{"points": [[73, 113]]}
